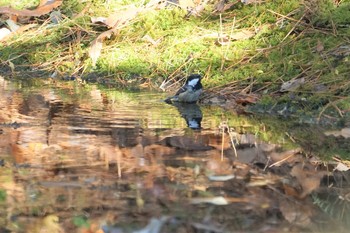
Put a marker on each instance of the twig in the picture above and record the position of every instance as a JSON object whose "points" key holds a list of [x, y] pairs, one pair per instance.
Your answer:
{"points": [[282, 160], [233, 144], [224, 126], [231, 33], [283, 16], [222, 143], [295, 25], [222, 42], [325, 107], [172, 76]]}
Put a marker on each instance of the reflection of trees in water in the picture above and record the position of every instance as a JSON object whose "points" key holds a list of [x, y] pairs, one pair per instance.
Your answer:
{"points": [[75, 131]]}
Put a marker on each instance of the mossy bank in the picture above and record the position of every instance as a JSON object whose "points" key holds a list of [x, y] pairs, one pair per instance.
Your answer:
{"points": [[293, 55]]}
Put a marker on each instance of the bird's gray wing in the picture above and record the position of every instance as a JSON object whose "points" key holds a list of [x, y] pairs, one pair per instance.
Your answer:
{"points": [[182, 89]]}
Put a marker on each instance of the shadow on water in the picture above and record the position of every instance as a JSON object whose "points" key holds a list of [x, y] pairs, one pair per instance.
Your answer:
{"points": [[87, 159]]}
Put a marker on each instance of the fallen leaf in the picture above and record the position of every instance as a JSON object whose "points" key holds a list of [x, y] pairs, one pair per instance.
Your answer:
{"points": [[341, 167], [96, 46], [122, 17], [290, 191], [149, 39], [222, 5], [98, 20], [4, 32], [247, 99], [12, 66], [56, 17], [185, 4], [242, 34], [345, 132], [292, 85], [319, 46], [115, 22], [12, 25], [261, 182]]}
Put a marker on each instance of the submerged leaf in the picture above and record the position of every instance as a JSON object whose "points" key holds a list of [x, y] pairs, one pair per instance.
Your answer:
{"points": [[307, 178], [154, 226], [294, 213], [221, 178], [210, 200]]}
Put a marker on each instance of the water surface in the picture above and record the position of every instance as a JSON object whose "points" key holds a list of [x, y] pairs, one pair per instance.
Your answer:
{"points": [[82, 158]]}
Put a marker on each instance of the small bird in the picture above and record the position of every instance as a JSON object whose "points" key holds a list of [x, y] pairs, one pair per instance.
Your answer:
{"points": [[188, 93]]}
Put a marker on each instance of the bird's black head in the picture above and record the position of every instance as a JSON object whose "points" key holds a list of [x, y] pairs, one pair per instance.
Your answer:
{"points": [[194, 80]]}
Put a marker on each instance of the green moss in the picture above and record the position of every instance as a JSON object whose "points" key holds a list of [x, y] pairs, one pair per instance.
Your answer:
{"points": [[328, 14]]}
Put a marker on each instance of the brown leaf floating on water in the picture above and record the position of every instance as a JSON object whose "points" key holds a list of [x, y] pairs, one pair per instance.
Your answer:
{"points": [[309, 179], [295, 212]]}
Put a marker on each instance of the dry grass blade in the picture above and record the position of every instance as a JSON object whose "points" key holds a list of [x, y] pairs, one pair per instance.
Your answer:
{"points": [[295, 25]]}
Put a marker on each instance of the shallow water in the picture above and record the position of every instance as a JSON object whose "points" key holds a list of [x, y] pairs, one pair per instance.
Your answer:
{"points": [[81, 158]]}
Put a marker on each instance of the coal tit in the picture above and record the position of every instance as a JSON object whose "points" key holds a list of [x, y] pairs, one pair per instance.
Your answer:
{"points": [[188, 93]]}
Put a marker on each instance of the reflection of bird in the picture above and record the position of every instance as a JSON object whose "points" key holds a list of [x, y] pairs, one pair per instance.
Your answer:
{"points": [[191, 113], [188, 93]]}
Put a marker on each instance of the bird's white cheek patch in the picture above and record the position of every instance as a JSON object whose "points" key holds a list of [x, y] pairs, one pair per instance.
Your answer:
{"points": [[193, 82]]}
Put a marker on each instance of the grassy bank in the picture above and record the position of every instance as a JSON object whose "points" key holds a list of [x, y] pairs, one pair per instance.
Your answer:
{"points": [[293, 55]]}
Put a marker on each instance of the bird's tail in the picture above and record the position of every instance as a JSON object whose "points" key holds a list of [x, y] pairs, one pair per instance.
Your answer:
{"points": [[171, 100]]}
